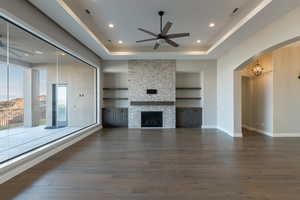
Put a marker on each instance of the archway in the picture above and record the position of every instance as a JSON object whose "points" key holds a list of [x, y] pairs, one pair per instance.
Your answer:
{"points": [[238, 124]]}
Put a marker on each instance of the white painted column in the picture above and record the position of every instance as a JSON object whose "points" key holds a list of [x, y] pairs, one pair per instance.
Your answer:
{"points": [[31, 98]]}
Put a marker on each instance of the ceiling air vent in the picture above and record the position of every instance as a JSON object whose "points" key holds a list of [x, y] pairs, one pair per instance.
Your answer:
{"points": [[88, 11], [235, 11]]}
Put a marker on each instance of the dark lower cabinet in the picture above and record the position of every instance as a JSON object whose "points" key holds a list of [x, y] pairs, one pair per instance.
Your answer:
{"points": [[185, 117], [188, 117], [114, 117]]}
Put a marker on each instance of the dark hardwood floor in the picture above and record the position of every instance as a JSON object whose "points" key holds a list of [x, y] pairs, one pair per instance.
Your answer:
{"points": [[183, 164]]}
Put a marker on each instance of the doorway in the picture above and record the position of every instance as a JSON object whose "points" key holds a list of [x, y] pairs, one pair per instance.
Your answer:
{"points": [[60, 105]]}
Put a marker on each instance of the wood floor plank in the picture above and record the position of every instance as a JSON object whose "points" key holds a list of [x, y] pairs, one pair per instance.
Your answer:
{"points": [[165, 164]]}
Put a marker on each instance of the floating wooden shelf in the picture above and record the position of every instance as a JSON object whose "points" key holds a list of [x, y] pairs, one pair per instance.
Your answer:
{"points": [[115, 88], [114, 98], [189, 88], [152, 103], [188, 98]]}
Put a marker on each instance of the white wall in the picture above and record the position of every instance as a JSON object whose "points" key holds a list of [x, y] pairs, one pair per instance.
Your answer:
{"points": [[229, 85]]}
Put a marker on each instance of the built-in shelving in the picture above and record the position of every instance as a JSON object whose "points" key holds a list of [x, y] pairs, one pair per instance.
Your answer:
{"points": [[188, 98], [115, 90], [114, 98], [188, 90]]}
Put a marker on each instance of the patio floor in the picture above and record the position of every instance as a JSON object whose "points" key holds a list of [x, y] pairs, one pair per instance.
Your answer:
{"points": [[16, 141]]}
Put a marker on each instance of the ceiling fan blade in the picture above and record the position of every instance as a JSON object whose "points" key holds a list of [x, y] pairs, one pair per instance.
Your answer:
{"points": [[177, 35], [15, 54], [156, 46], [146, 31], [166, 28], [20, 50], [172, 43], [146, 40]]}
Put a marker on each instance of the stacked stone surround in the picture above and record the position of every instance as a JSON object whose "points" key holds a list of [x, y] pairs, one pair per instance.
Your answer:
{"points": [[152, 74]]}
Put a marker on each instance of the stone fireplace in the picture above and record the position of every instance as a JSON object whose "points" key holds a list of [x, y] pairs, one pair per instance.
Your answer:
{"points": [[151, 85]]}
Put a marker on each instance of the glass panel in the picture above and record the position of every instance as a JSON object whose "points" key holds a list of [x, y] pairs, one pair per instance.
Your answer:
{"points": [[61, 105], [4, 109], [42, 96], [45, 94]]}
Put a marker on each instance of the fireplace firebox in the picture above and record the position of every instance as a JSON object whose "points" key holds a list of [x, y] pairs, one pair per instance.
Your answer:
{"points": [[151, 119]]}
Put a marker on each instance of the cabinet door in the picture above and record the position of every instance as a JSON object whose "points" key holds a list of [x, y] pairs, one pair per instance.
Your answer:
{"points": [[106, 114], [196, 114], [189, 117], [122, 117], [180, 117], [115, 117]]}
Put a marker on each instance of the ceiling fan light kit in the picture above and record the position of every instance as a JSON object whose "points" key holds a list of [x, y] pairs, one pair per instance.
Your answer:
{"points": [[163, 35]]}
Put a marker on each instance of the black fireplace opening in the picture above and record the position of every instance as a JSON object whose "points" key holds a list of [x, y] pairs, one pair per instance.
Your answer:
{"points": [[152, 119]]}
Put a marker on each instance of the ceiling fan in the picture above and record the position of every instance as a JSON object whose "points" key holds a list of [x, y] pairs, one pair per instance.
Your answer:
{"points": [[13, 50], [163, 35]]}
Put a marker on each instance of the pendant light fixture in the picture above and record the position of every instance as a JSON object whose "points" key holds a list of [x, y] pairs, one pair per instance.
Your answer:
{"points": [[257, 69]]}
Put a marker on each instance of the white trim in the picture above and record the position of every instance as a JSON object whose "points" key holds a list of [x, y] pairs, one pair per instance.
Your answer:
{"points": [[286, 135], [225, 131], [20, 164], [258, 130], [209, 127], [234, 135], [238, 135]]}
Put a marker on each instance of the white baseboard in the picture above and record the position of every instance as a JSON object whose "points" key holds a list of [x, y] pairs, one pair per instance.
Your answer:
{"points": [[286, 135], [236, 135], [209, 127], [16, 166], [258, 130]]}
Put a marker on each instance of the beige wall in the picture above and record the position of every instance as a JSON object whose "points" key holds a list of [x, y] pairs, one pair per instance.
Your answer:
{"points": [[257, 103], [80, 79], [287, 90]]}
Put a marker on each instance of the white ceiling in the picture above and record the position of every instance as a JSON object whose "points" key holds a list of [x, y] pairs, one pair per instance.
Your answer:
{"points": [[191, 16]]}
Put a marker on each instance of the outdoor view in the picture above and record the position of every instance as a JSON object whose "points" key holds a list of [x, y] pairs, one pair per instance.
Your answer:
{"points": [[12, 105], [45, 94]]}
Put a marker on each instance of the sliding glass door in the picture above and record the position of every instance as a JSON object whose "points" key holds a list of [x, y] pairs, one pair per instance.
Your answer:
{"points": [[60, 105], [46, 94]]}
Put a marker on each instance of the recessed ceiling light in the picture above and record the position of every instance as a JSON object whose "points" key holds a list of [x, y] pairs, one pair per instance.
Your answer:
{"points": [[38, 52], [63, 54], [26, 54], [198, 41], [111, 25], [120, 42], [211, 25]]}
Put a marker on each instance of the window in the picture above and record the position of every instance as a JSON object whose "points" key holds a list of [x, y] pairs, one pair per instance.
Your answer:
{"points": [[45, 93]]}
